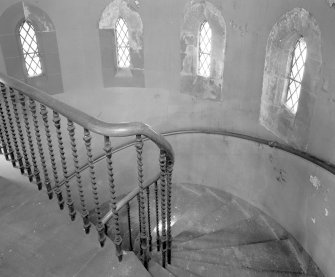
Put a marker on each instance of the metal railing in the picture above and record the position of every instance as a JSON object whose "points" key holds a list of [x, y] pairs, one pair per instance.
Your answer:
{"points": [[25, 111]]}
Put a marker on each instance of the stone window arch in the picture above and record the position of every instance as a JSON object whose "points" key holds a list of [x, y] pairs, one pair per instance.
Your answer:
{"points": [[206, 87], [50, 79], [274, 114], [130, 72]]}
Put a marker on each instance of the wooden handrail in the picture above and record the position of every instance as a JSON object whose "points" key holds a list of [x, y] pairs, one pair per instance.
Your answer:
{"points": [[89, 122]]}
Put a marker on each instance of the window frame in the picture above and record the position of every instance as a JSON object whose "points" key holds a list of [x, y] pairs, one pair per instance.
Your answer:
{"points": [[21, 50], [200, 52], [117, 46]]}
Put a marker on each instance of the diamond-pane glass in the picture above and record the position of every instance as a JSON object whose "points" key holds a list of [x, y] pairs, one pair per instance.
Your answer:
{"points": [[296, 75], [30, 49], [122, 44], [205, 48]]}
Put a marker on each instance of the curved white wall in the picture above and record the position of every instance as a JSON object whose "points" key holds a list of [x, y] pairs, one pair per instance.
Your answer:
{"points": [[296, 193]]}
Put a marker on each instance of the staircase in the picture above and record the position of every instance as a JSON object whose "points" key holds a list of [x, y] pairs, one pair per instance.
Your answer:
{"points": [[218, 234], [215, 234], [157, 227]]}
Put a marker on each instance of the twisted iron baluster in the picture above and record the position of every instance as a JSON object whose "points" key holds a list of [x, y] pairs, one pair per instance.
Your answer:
{"points": [[149, 220], [100, 226], [11, 128], [3, 146], [44, 114], [162, 161], [19, 156], [139, 214], [143, 235], [47, 182], [158, 239], [30, 142], [4, 134], [117, 238], [84, 212], [169, 184], [129, 228], [69, 201], [139, 219], [20, 131]]}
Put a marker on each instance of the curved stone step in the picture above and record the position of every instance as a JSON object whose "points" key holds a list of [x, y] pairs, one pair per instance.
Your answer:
{"points": [[228, 213], [246, 231], [213, 270], [199, 207], [268, 256]]}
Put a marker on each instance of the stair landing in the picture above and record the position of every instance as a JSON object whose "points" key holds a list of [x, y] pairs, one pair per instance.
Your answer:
{"points": [[39, 240]]}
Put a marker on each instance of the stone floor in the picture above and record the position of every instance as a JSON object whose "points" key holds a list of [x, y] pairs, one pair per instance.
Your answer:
{"points": [[39, 240]]}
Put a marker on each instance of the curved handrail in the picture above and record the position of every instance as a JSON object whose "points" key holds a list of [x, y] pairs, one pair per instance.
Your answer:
{"points": [[201, 130], [88, 122], [271, 143], [274, 144]]}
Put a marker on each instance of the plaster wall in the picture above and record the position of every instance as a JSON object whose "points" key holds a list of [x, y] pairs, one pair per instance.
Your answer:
{"points": [[248, 26]]}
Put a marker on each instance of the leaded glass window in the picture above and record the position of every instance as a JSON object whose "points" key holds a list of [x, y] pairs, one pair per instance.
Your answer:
{"points": [[122, 44], [205, 48], [30, 50], [297, 69]]}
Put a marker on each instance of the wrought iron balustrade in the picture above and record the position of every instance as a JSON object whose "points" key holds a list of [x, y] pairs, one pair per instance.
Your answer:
{"points": [[33, 138]]}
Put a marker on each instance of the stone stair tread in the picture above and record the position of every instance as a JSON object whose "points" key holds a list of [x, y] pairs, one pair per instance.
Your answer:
{"points": [[227, 214], [214, 270], [180, 272], [246, 231], [269, 256], [197, 209], [156, 270], [251, 211], [105, 263]]}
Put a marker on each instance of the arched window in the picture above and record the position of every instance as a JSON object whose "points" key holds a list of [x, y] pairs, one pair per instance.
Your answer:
{"points": [[122, 43], [297, 68], [205, 49], [291, 79], [30, 50]]}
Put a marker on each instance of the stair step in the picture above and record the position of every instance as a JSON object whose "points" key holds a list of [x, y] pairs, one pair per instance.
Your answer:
{"points": [[267, 256], [213, 270], [175, 270], [180, 272], [227, 214], [250, 211], [157, 270], [105, 264], [20, 194], [200, 207], [251, 230]]}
